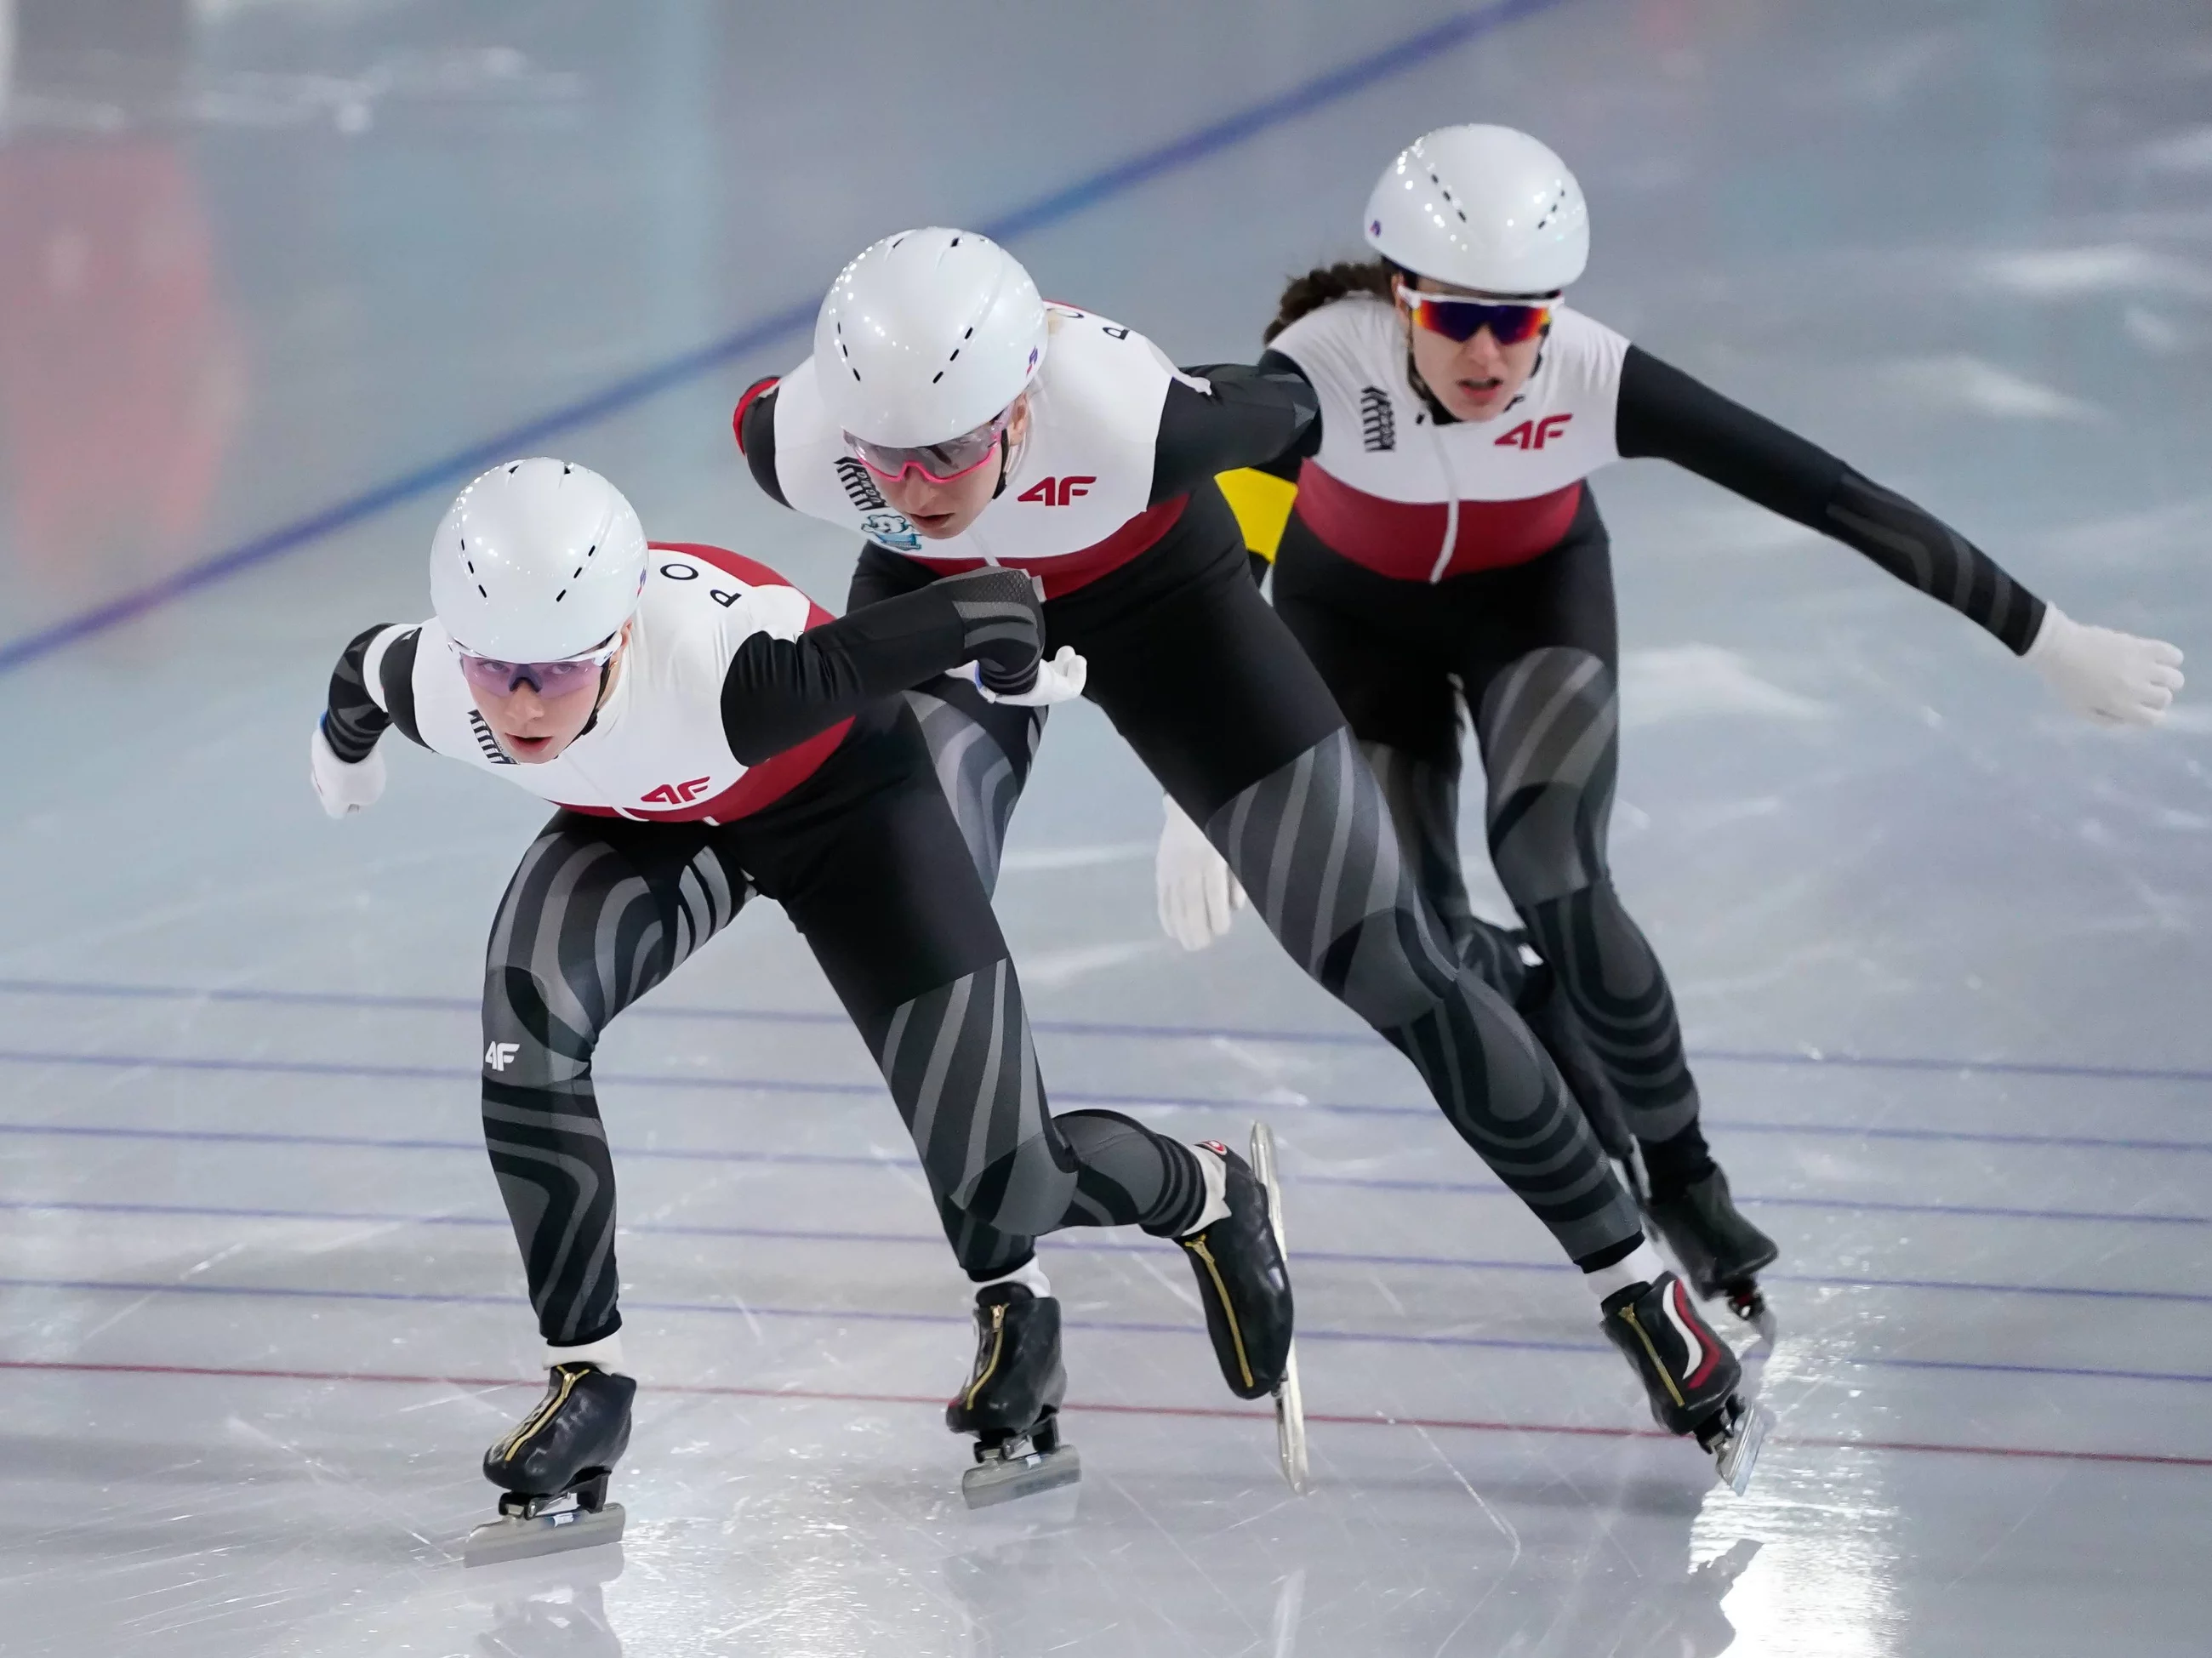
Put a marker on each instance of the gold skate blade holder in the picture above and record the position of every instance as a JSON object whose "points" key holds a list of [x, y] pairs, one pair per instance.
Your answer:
{"points": [[1290, 1399]]}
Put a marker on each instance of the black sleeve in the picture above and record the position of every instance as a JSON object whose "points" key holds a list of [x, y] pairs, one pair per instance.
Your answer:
{"points": [[353, 721], [754, 422], [1286, 465], [779, 692], [1253, 415], [1666, 415]]}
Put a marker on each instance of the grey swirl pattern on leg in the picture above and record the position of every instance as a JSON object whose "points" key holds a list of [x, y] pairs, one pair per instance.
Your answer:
{"points": [[581, 934], [1314, 845], [981, 751], [1550, 730]]}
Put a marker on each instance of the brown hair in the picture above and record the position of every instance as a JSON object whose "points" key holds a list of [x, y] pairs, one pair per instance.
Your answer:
{"points": [[1328, 283]]}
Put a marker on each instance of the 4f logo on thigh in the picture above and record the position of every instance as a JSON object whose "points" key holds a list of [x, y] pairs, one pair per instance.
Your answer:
{"points": [[500, 1055]]}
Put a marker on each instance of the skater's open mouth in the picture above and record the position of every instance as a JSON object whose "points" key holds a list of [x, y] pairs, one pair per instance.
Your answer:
{"points": [[930, 520], [525, 748]]}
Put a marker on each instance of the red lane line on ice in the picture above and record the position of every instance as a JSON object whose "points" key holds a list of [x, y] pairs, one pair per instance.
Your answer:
{"points": [[1210, 1413]]}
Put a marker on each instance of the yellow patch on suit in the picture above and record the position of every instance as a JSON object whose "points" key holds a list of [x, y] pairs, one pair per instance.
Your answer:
{"points": [[1261, 502]]}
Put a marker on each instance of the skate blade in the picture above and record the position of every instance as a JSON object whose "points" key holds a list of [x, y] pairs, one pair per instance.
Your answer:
{"points": [[1289, 1398], [990, 1483], [1291, 1427], [511, 1538], [1737, 1458]]}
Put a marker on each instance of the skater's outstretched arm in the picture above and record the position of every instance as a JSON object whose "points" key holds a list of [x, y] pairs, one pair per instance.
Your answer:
{"points": [[370, 690], [2111, 677], [779, 692]]}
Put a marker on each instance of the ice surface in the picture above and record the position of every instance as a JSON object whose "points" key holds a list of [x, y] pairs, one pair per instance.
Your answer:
{"points": [[1938, 949]]}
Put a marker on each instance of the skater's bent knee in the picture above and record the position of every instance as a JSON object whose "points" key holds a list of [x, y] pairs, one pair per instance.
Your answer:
{"points": [[1025, 1192]]}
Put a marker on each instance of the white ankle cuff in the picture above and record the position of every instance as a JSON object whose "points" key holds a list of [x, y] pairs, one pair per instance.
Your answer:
{"points": [[1213, 1169], [1030, 1276], [606, 1352], [1644, 1266]]}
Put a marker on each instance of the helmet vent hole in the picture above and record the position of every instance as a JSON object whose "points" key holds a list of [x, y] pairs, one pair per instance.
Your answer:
{"points": [[480, 588], [970, 335], [954, 242], [937, 376], [512, 470], [558, 597], [574, 573], [566, 469], [589, 550], [955, 357]]}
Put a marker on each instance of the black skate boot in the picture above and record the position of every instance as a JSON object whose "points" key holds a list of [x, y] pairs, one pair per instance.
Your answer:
{"points": [[1243, 1284], [554, 1468], [1688, 1373], [1543, 1008], [1721, 1252], [1012, 1400]]}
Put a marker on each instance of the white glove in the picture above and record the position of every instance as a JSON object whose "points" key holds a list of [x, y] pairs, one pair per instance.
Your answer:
{"points": [[1060, 679], [343, 789], [2113, 678], [1199, 896]]}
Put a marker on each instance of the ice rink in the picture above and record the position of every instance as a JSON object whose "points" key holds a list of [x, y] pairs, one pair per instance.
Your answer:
{"points": [[277, 276]]}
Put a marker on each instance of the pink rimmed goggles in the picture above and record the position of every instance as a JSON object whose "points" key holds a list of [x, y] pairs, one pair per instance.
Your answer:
{"points": [[1460, 317], [495, 678], [940, 463]]}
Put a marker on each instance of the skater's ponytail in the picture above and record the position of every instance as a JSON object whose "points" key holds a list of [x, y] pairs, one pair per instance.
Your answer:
{"points": [[1328, 283]]}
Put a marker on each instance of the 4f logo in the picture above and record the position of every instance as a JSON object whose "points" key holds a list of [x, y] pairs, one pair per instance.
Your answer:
{"points": [[1056, 492], [1534, 434], [676, 794], [500, 1055]]}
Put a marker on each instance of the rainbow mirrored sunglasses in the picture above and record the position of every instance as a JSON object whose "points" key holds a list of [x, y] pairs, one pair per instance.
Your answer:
{"points": [[940, 463], [1460, 317], [495, 678]]}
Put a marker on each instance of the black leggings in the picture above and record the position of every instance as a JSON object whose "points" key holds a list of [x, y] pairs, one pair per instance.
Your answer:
{"points": [[1209, 688], [873, 871], [1533, 651]]}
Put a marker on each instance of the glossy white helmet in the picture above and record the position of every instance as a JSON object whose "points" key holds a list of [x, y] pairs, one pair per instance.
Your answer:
{"points": [[928, 335], [1481, 207], [536, 560]]}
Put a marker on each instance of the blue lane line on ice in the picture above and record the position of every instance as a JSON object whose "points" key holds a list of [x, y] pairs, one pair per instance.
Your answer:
{"points": [[96, 990], [1075, 1241], [750, 1310], [849, 1160], [1055, 207], [357, 1071]]}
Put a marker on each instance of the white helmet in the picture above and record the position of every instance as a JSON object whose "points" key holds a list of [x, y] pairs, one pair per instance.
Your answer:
{"points": [[928, 335], [1481, 207], [536, 560]]}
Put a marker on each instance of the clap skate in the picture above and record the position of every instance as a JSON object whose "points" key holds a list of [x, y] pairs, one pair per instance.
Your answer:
{"points": [[1689, 1375], [1012, 1400], [554, 1469], [1245, 1289], [1721, 1252]]}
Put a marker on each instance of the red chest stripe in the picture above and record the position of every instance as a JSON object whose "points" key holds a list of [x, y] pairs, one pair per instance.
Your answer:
{"points": [[778, 774], [1401, 539], [1069, 571]]}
